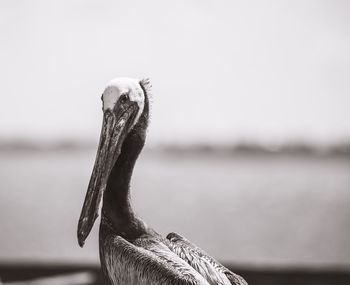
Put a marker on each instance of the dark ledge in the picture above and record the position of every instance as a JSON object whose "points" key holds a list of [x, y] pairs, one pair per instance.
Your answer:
{"points": [[261, 276]]}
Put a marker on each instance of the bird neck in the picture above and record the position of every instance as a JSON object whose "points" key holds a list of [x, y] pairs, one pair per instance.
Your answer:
{"points": [[116, 201]]}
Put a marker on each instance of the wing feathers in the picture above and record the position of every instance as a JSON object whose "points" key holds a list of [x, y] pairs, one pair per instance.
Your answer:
{"points": [[146, 262], [163, 252], [207, 266]]}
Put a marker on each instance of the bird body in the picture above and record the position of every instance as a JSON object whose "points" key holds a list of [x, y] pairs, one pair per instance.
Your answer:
{"points": [[132, 253]]}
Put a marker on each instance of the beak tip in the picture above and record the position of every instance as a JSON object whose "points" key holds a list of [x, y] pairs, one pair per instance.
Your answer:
{"points": [[81, 240], [81, 234]]}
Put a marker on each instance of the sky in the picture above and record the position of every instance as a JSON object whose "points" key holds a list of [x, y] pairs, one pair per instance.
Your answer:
{"points": [[222, 71]]}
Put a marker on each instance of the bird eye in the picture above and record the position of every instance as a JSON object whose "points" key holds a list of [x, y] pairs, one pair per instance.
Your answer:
{"points": [[123, 98]]}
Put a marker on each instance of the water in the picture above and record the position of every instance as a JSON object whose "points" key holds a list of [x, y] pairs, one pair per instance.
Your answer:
{"points": [[248, 210]]}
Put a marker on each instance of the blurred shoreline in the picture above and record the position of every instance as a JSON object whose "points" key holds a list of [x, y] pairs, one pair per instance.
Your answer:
{"points": [[341, 149]]}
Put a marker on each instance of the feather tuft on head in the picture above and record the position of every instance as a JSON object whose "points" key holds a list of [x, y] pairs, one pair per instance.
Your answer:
{"points": [[147, 87]]}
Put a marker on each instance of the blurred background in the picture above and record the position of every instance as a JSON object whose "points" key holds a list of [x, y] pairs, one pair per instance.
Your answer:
{"points": [[248, 151]]}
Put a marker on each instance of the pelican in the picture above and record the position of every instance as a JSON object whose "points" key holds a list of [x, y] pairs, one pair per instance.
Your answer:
{"points": [[131, 253]]}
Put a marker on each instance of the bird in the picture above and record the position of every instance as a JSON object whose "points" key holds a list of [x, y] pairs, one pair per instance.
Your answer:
{"points": [[131, 252]]}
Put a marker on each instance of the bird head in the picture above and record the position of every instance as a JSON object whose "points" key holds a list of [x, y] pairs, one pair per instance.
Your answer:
{"points": [[123, 103]]}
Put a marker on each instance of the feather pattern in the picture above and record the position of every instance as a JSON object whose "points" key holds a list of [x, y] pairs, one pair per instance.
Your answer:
{"points": [[152, 259], [210, 268], [146, 260]]}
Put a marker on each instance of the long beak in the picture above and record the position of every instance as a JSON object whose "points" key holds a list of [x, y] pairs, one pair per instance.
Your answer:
{"points": [[114, 130]]}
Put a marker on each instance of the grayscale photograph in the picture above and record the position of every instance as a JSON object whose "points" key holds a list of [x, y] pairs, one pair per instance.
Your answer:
{"points": [[175, 142]]}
